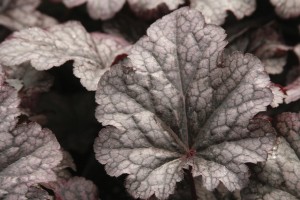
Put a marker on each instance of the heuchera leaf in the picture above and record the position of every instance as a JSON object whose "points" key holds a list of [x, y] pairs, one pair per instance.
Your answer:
{"points": [[30, 84], [28, 152], [176, 102], [98, 9], [287, 8], [280, 175], [92, 53], [292, 91], [293, 81], [215, 11], [106, 9], [38, 193], [76, 188], [27, 78], [62, 170], [20, 14], [266, 43], [256, 190]]}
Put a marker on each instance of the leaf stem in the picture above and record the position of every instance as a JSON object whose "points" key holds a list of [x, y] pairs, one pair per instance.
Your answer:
{"points": [[192, 183]]}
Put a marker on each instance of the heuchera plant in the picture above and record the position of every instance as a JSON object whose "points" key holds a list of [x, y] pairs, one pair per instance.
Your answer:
{"points": [[184, 112]]}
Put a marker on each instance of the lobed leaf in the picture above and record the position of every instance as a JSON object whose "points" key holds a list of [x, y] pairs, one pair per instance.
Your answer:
{"points": [[106, 9], [280, 175], [260, 191], [76, 188], [178, 101], [20, 14], [92, 53], [287, 8], [267, 44], [215, 12], [28, 152]]}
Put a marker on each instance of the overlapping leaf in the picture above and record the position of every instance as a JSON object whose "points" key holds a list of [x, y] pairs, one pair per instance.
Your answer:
{"points": [[76, 188], [266, 42], [293, 81], [30, 84], [37, 193], [178, 101], [215, 11], [92, 53], [62, 170], [292, 91], [106, 9], [20, 14], [280, 175], [28, 153]]}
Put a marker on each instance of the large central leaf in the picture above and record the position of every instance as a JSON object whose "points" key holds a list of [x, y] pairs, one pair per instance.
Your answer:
{"points": [[178, 101]]}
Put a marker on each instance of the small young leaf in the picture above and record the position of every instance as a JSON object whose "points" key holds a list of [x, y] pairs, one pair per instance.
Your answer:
{"points": [[176, 102], [92, 53], [215, 11]]}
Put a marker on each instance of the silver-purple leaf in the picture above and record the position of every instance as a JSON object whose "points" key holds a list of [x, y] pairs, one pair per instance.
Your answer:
{"points": [[106, 9], [20, 14], [220, 193], [62, 170], [267, 43], [292, 91], [76, 188], [29, 83], [293, 81], [98, 9], [215, 12], [178, 101], [280, 175], [287, 8], [37, 193], [92, 53], [28, 152], [258, 191], [27, 78]]}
